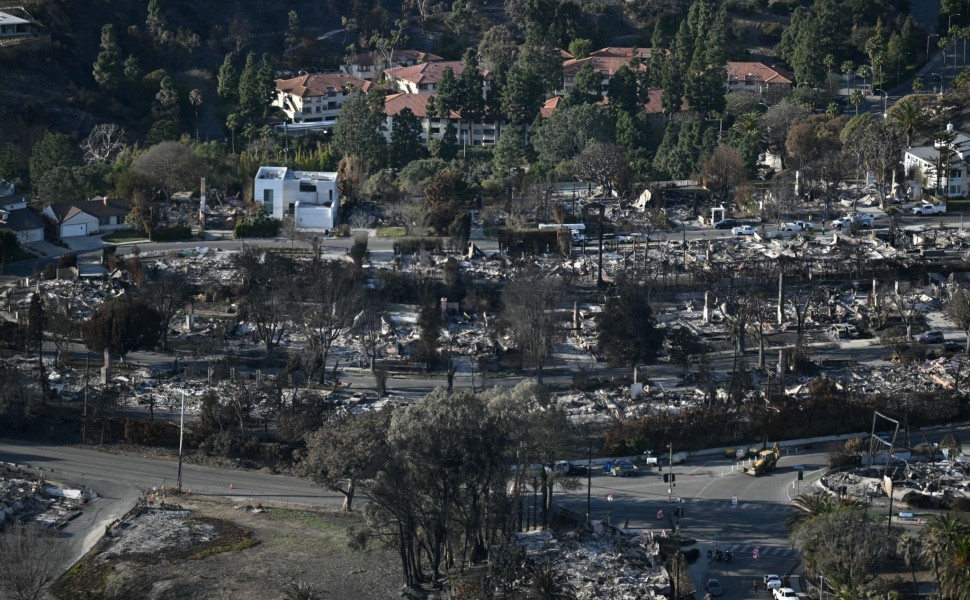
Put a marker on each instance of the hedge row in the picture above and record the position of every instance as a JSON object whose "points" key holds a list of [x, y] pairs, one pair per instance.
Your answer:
{"points": [[170, 234], [414, 245], [265, 229], [529, 241]]}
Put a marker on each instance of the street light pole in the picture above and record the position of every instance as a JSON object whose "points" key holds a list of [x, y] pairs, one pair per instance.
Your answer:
{"points": [[885, 98], [949, 26], [930, 36]]}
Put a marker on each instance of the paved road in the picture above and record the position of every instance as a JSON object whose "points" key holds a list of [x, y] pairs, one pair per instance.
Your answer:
{"points": [[120, 480], [705, 489]]}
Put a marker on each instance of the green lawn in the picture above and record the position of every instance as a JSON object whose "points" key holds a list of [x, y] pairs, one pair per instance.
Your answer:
{"points": [[391, 232], [125, 235]]}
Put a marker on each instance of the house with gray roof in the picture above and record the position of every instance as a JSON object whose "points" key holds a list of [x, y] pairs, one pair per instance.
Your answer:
{"points": [[101, 215]]}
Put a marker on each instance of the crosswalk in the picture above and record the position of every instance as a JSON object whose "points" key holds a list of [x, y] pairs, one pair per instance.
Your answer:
{"points": [[742, 505], [763, 551]]}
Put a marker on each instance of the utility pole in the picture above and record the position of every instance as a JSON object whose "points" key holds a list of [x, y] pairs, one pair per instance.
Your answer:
{"points": [[670, 469], [178, 483], [589, 482], [84, 413]]}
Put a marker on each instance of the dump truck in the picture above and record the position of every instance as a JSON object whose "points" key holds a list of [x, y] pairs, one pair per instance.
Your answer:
{"points": [[765, 461]]}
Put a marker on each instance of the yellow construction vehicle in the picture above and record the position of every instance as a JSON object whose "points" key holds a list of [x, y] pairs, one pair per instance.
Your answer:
{"points": [[765, 461]]}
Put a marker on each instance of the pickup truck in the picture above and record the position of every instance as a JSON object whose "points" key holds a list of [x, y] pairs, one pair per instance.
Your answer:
{"points": [[798, 226], [847, 221], [929, 209]]}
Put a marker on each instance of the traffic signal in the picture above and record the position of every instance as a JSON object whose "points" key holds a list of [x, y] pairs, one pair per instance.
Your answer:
{"points": [[800, 475], [666, 477], [673, 477]]}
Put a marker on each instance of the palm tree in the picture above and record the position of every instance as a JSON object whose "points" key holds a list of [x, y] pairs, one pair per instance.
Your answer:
{"points": [[939, 536], [856, 99], [955, 580], [918, 84], [195, 99], [909, 548], [907, 117], [809, 506], [550, 584]]}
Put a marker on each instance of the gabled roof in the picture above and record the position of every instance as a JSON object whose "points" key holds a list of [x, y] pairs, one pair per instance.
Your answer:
{"points": [[113, 207], [430, 72], [8, 19], [321, 84], [22, 219], [621, 52], [418, 103], [106, 207], [550, 106], [610, 64], [370, 58], [755, 71]]}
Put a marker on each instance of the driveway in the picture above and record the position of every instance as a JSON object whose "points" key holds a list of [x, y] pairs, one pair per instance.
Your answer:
{"points": [[85, 243], [47, 249]]}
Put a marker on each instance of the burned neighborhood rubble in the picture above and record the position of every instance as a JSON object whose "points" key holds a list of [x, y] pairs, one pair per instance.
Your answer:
{"points": [[603, 563], [27, 498]]}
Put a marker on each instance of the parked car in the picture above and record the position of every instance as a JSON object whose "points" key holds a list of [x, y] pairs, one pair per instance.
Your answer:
{"points": [[929, 209], [933, 336], [713, 587], [953, 346], [798, 226], [785, 594], [773, 582], [726, 224], [743, 230], [843, 330]]}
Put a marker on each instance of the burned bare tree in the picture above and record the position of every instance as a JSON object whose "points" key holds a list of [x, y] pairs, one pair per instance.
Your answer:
{"points": [[958, 307], [167, 294], [334, 299], [529, 312], [31, 559], [268, 287]]}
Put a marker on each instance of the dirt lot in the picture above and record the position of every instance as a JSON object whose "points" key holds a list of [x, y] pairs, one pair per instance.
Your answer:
{"points": [[211, 549]]}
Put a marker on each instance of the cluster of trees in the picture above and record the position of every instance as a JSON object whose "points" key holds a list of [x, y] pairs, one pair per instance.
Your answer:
{"points": [[443, 479], [839, 540], [874, 40]]}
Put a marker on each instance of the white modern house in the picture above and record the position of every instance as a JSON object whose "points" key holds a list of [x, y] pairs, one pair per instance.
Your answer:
{"points": [[310, 197], [923, 166]]}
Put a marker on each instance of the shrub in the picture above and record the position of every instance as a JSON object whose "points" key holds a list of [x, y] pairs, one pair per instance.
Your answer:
{"points": [[414, 245], [264, 228], [170, 234]]}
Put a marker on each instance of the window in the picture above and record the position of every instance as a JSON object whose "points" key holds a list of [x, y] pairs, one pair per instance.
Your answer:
{"points": [[268, 201], [331, 106], [102, 221], [308, 186]]}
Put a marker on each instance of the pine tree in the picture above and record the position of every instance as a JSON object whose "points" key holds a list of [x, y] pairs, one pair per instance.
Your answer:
{"points": [[106, 70], [250, 103], [674, 66], [291, 40], [166, 102], [132, 69], [508, 154], [155, 21], [586, 86], [405, 144], [227, 82]]}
